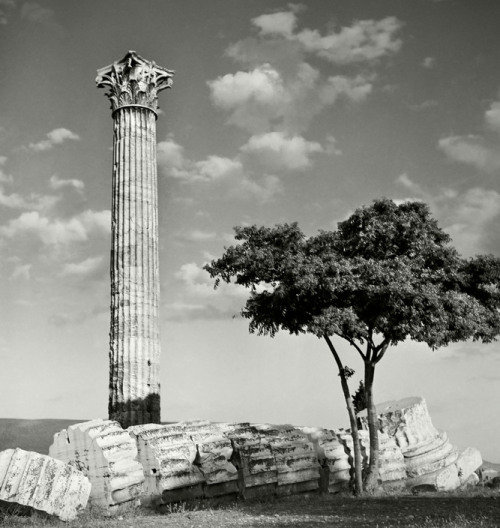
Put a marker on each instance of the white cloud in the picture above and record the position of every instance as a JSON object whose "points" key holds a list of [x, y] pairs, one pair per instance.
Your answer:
{"points": [[3, 160], [263, 99], [364, 41], [58, 231], [278, 151], [476, 150], [5, 178], [492, 116], [56, 183], [170, 157], [4, 12], [429, 62], [197, 235], [254, 98], [217, 167], [201, 299], [263, 190], [239, 182], [34, 201], [356, 88], [331, 146], [282, 23], [405, 181], [21, 271], [470, 217], [55, 137], [280, 90], [83, 268], [473, 220], [470, 150]]}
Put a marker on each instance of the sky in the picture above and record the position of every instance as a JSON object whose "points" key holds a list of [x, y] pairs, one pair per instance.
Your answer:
{"points": [[279, 112]]}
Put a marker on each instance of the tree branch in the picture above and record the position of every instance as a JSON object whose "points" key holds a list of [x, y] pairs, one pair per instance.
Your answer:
{"points": [[353, 343], [334, 352], [381, 350]]}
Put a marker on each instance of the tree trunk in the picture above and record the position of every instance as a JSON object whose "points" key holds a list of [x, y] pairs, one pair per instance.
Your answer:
{"points": [[358, 459], [371, 479]]}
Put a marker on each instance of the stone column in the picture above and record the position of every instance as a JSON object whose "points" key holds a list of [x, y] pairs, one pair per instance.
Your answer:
{"points": [[134, 381]]}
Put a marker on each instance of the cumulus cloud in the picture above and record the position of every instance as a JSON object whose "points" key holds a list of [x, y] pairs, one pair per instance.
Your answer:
{"points": [[170, 157], [492, 116], [217, 167], [471, 150], [280, 152], [480, 151], [470, 217], [55, 137], [21, 271], [5, 6], [255, 98], [429, 62], [84, 268], [238, 181], [58, 231], [364, 41], [56, 183], [474, 219], [196, 235], [282, 23], [281, 90], [37, 202], [263, 98], [355, 89], [200, 300]]}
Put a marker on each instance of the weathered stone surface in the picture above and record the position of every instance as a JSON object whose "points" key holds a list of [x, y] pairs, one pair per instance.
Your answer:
{"points": [[254, 458], [167, 454], [444, 479], [471, 481], [468, 462], [406, 420], [43, 483], [332, 456], [431, 456], [107, 455], [430, 459], [296, 460], [132, 86]]}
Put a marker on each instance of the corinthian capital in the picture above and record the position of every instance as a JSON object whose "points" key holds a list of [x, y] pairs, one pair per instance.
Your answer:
{"points": [[134, 81]]}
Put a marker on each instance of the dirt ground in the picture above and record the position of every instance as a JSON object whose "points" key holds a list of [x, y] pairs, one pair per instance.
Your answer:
{"points": [[304, 511]]}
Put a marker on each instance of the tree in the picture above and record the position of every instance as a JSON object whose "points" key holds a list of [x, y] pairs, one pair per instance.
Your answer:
{"points": [[387, 274]]}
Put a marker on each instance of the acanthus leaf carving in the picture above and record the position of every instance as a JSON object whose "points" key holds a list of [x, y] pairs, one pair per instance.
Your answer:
{"points": [[134, 81]]}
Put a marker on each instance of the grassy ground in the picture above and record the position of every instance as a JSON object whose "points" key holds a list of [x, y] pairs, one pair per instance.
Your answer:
{"points": [[477, 508]]}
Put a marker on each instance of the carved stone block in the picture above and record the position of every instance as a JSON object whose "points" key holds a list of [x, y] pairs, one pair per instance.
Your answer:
{"points": [[42, 483], [107, 455]]}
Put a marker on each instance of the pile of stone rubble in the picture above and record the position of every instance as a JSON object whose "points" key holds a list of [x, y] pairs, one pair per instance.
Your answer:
{"points": [[115, 469]]}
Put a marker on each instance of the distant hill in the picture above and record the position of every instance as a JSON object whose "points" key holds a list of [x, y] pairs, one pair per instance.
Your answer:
{"points": [[31, 435]]}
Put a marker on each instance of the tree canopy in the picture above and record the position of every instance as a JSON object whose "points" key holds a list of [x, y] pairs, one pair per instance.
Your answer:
{"points": [[387, 271]]}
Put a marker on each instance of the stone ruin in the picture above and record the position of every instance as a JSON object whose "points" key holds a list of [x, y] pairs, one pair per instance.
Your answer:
{"points": [[430, 459], [42, 483], [117, 469]]}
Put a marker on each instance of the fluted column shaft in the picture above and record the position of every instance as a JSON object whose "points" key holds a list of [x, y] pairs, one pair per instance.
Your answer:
{"points": [[134, 334]]}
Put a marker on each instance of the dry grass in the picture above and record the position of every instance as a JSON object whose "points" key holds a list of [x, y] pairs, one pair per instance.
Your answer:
{"points": [[473, 508]]}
